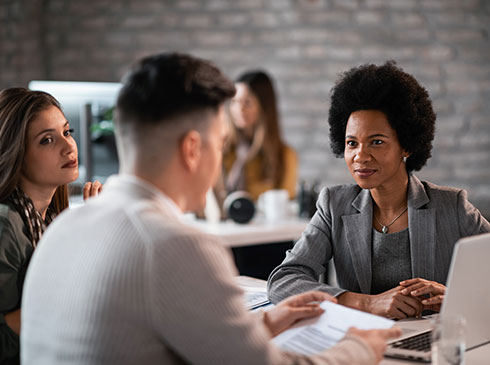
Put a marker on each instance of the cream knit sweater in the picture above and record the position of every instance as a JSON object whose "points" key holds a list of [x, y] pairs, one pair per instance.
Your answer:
{"points": [[122, 280]]}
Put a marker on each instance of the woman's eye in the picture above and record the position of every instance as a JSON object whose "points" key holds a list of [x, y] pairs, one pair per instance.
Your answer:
{"points": [[377, 142], [69, 132], [351, 143], [47, 140]]}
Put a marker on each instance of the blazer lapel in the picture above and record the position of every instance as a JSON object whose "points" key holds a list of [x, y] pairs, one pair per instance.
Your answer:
{"points": [[358, 235], [422, 228]]}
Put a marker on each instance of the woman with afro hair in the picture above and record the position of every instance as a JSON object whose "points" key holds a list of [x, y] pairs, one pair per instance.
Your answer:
{"points": [[390, 235]]}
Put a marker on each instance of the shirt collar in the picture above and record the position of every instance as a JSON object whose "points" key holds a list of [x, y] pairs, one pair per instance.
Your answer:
{"points": [[149, 189]]}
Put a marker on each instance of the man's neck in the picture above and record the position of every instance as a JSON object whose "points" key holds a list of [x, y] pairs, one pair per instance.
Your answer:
{"points": [[168, 181]]}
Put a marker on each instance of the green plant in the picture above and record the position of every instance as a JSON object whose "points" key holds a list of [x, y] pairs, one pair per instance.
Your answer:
{"points": [[105, 127]]}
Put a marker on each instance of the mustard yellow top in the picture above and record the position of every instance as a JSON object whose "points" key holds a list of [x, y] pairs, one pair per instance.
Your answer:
{"points": [[254, 182]]}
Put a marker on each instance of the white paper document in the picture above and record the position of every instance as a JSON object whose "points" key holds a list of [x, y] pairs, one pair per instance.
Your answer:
{"points": [[255, 299], [318, 334]]}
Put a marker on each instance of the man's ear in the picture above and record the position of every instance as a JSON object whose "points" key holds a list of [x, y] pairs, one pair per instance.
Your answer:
{"points": [[190, 150]]}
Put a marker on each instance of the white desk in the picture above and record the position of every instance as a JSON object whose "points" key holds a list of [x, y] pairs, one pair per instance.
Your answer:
{"points": [[476, 356], [258, 231], [248, 282], [259, 246]]}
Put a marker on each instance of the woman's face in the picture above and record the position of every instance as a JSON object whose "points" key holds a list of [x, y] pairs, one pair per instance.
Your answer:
{"points": [[211, 151], [51, 156], [372, 151], [245, 108]]}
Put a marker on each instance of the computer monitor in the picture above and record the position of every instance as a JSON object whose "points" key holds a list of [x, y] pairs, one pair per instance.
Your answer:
{"points": [[77, 98]]}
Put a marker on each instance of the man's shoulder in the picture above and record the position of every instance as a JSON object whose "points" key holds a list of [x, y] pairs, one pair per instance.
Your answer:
{"points": [[144, 224], [172, 242], [158, 226]]}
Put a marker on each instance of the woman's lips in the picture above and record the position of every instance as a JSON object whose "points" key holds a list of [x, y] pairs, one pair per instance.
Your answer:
{"points": [[364, 172], [70, 165]]}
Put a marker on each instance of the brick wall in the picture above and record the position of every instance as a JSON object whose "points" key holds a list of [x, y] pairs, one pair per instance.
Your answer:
{"points": [[21, 42], [304, 44]]}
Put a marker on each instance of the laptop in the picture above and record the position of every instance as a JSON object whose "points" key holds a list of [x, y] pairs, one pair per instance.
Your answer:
{"points": [[467, 294]]}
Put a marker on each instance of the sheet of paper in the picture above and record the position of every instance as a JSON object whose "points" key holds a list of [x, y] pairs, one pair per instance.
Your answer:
{"points": [[254, 299], [315, 335]]}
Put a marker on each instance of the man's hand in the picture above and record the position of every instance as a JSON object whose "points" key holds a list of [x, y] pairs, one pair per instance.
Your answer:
{"points": [[376, 339], [294, 309]]}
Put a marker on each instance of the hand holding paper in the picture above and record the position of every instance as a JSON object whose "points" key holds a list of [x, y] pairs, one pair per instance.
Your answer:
{"points": [[376, 338], [318, 334], [294, 309]]}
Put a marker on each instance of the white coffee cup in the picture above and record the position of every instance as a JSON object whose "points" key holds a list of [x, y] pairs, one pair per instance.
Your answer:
{"points": [[275, 204]]}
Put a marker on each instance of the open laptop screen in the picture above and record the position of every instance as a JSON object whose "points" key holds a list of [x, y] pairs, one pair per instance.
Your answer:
{"points": [[467, 295], [468, 292]]}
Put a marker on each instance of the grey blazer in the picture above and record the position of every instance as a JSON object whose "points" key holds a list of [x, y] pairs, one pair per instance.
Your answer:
{"points": [[341, 229]]}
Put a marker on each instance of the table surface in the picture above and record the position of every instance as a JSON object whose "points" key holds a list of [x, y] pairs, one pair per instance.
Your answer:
{"points": [[258, 231], [476, 356]]}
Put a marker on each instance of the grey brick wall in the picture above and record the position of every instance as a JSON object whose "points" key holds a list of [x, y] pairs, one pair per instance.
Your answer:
{"points": [[304, 44], [21, 43]]}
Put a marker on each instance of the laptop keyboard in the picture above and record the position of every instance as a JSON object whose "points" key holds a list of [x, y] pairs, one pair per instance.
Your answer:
{"points": [[420, 342]]}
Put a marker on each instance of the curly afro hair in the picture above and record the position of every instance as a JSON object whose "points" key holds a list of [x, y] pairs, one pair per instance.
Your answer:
{"points": [[398, 95]]}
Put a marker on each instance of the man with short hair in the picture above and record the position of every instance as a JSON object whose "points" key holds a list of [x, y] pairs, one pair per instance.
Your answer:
{"points": [[123, 280]]}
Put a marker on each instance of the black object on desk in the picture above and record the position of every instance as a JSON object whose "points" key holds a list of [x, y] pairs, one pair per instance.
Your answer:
{"points": [[239, 207], [307, 197], [258, 261]]}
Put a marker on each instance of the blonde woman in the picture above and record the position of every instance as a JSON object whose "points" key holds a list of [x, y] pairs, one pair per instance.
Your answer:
{"points": [[257, 159]]}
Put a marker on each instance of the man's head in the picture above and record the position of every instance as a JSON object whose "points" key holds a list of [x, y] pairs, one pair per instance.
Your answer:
{"points": [[169, 118]]}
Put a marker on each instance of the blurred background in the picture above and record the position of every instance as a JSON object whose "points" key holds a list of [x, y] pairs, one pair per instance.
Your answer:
{"points": [[303, 44]]}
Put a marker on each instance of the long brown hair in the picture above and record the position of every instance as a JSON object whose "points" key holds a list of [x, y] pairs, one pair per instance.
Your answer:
{"points": [[272, 146], [18, 107]]}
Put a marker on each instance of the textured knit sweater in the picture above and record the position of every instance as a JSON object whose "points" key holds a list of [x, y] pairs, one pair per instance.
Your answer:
{"points": [[122, 280]]}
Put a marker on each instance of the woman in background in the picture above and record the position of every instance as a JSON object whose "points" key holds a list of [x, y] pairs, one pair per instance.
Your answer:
{"points": [[38, 158], [257, 159]]}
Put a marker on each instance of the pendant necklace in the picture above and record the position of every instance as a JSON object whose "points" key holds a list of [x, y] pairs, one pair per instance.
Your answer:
{"points": [[384, 229]]}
